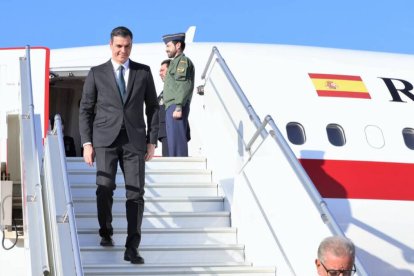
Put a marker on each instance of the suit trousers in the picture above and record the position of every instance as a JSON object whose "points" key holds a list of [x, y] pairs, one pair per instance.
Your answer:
{"points": [[164, 146], [132, 164], [177, 131]]}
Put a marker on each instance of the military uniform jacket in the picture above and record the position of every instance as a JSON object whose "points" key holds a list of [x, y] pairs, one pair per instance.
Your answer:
{"points": [[179, 82]]}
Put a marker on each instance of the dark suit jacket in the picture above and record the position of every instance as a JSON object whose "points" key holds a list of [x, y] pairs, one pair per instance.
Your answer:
{"points": [[102, 112], [161, 118]]}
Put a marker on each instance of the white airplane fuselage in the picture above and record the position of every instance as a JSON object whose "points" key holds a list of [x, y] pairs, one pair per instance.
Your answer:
{"points": [[364, 98]]}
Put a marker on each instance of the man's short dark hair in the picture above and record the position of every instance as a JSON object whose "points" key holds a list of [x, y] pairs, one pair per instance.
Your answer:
{"points": [[182, 44], [166, 61], [122, 32]]}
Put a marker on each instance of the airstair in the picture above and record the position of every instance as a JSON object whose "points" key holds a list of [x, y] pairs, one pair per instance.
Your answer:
{"points": [[277, 216], [185, 230]]}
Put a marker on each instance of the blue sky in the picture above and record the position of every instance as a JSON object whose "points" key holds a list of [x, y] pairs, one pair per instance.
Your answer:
{"points": [[375, 25]]}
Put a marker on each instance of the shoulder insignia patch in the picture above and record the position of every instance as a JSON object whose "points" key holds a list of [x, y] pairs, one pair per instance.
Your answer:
{"points": [[180, 70]]}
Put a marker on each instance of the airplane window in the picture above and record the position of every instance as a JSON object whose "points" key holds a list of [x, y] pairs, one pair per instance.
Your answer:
{"points": [[336, 135], [296, 133], [408, 134], [374, 136]]}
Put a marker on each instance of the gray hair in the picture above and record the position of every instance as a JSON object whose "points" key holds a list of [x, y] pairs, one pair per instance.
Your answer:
{"points": [[337, 245]]}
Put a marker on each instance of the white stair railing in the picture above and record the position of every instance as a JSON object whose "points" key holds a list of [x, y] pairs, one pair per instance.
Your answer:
{"points": [[62, 224], [30, 136], [286, 175]]}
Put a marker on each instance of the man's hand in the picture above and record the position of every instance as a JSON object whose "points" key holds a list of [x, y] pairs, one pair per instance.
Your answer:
{"points": [[88, 154], [150, 152], [177, 114]]}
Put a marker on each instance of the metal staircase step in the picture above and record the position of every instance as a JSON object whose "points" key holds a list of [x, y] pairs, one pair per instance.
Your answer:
{"points": [[195, 269], [166, 266], [158, 204], [127, 265], [185, 230], [166, 236], [155, 163], [162, 220], [151, 176], [167, 254], [152, 190]]}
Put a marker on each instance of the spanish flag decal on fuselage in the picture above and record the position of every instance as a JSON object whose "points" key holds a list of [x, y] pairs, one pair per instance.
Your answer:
{"points": [[328, 85]]}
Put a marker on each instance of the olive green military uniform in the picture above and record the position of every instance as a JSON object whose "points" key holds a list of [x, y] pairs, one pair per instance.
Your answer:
{"points": [[179, 82], [178, 91]]}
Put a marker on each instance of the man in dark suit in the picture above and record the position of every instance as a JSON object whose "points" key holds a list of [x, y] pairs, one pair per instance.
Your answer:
{"points": [[162, 133], [68, 143], [112, 129]]}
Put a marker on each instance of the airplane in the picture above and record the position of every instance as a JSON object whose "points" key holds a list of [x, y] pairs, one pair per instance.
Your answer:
{"points": [[304, 142]]}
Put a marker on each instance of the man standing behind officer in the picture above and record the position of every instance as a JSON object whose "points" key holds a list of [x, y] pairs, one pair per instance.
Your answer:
{"points": [[162, 133], [178, 91], [116, 134]]}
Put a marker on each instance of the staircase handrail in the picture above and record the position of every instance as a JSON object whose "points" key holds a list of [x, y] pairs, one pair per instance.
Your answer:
{"points": [[239, 92], [307, 183], [69, 216], [287, 151], [31, 182], [252, 116]]}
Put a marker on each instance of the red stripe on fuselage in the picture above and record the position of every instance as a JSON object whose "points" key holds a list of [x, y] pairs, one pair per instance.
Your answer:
{"points": [[345, 94], [361, 179]]}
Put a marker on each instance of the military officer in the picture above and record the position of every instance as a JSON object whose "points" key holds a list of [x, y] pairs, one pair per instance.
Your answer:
{"points": [[178, 91]]}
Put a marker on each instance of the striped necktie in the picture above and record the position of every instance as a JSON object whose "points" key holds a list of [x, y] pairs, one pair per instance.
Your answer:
{"points": [[121, 82]]}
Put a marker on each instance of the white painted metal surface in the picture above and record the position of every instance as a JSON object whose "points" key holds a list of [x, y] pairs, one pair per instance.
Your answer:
{"points": [[276, 81]]}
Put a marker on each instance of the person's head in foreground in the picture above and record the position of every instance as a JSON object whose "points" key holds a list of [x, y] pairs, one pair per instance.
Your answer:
{"points": [[336, 257]]}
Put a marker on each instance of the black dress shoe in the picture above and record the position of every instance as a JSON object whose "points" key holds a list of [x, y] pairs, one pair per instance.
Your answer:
{"points": [[131, 255], [107, 241]]}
